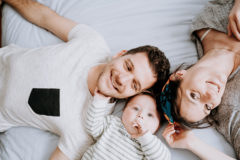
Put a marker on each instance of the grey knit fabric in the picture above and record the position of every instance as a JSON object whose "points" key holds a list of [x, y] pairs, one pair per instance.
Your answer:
{"points": [[215, 16]]}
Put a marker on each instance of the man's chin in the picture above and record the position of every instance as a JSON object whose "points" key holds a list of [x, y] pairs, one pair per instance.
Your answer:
{"points": [[104, 92]]}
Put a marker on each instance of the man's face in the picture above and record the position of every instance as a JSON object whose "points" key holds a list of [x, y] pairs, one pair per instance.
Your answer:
{"points": [[126, 76]]}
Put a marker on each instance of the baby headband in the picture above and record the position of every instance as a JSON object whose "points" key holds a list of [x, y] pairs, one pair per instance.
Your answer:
{"points": [[165, 102]]}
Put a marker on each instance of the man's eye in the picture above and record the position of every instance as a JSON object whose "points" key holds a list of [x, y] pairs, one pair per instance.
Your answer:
{"points": [[128, 67], [135, 86]]}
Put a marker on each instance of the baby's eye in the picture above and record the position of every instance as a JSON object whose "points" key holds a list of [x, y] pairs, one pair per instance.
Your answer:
{"points": [[150, 115], [135, 108]]}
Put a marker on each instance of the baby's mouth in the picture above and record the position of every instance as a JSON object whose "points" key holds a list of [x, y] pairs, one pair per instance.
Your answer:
{"points": [[136, 126]]}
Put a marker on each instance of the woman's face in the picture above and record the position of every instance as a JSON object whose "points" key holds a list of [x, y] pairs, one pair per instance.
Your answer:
{"points": [[200, 91]]}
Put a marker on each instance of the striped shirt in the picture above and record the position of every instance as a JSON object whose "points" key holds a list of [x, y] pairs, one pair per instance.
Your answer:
{"points": [[113, 142]]}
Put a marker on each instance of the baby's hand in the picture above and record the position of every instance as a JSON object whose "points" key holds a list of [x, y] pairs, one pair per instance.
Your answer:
{"points": [[140, 133], [99, 96]]}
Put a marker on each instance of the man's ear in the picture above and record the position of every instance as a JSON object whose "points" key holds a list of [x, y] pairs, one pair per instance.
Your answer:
{"points": [[119, 54], [179, 75]]}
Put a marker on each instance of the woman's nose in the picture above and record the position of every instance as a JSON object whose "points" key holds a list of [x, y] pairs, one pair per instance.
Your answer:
{"points": [[211, 97]]}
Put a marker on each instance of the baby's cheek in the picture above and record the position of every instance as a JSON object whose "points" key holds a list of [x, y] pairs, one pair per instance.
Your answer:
{"points": [[154, 126]]}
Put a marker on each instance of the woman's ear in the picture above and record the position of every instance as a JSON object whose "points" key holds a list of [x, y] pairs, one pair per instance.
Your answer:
{"points": [[119, 54], [179, 75]]}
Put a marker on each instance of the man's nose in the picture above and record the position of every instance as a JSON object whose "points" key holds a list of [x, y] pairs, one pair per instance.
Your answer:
{"points": [[123, 78]]}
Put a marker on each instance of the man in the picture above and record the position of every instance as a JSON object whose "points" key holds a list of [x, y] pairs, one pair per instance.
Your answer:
{"points": [[51, 85]]}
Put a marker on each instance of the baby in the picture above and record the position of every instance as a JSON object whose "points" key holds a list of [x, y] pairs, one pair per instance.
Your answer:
{"points": [[128, 138]]}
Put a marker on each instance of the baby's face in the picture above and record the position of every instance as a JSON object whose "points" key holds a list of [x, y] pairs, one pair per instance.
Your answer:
{"points": [[140, 115]]}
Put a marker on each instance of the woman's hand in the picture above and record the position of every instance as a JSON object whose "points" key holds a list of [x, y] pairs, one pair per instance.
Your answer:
{"points": [[234, 21], [180, 138], [185, 139]]}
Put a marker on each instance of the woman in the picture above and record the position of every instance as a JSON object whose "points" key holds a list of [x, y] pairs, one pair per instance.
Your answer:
{"points": [[210, 89]]}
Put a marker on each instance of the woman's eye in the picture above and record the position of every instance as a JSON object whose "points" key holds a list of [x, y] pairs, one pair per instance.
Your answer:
{"points": [[194, 95], [208, 107]]}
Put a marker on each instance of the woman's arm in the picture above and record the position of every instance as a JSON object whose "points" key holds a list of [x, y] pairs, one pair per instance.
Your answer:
{"points": [[185, 139], [43, 16], [58, 155], [234, 20]]}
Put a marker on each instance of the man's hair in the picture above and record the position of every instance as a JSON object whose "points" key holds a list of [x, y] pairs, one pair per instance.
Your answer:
{"points": [[158, 63]]}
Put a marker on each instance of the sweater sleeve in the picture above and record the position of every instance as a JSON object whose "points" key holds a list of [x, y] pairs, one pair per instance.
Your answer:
{"points": [[214, 15], [96, 119], [153, 148]]}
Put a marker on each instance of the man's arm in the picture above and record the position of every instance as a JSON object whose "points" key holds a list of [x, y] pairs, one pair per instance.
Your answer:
{"points": [[43, 16]]}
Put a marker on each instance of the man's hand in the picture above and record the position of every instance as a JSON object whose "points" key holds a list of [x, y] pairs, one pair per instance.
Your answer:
{"points": [[43, 16], [234, 21]]}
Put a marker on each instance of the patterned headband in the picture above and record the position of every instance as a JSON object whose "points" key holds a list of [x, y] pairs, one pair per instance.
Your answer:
{"points": [[165, 102]]}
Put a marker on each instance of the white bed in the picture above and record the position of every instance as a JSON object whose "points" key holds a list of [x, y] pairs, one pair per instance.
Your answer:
{"points": [[124, 24]]}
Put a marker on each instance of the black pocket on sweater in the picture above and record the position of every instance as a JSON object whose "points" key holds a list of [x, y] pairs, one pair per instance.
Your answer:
{"points": [[45, 101]]}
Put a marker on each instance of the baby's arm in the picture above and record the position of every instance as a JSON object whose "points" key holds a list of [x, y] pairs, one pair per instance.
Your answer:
{"points": [[153, 148], [96, 114]]}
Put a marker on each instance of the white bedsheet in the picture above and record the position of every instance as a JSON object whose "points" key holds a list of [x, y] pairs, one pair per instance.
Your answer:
{"points": [[124, 24]]}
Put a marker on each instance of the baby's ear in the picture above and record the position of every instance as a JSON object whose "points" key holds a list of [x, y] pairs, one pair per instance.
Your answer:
{"points": [[179, 75]]}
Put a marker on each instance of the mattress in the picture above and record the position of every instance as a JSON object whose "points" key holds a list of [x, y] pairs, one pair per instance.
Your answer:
{"points": [[124, 25]]}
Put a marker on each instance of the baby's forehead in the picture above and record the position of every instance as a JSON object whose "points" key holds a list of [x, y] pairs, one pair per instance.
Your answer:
{"points": [[141, 97], [142, 100]]}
